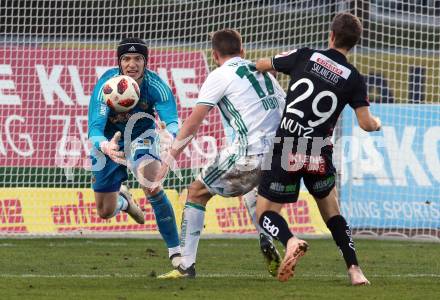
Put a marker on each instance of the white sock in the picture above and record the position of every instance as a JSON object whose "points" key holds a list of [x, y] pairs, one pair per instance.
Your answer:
{"points": [[121, 204], [250, 201], [123, 201], [192, 226], [174, 250]]}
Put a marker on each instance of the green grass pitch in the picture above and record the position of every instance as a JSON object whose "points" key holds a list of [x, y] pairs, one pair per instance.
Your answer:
{"points": [[226, 269]]}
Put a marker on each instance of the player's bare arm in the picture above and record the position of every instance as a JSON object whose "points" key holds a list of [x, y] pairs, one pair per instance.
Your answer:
{"points": [[366, 120], [186, 133], [189, 129], [264, 65]]}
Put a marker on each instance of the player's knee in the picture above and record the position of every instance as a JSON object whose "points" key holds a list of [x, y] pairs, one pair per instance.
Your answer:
{"points": [[105, 212], [146, 174], [198, 193]]}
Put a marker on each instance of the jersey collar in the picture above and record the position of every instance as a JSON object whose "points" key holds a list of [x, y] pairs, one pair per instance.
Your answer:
{"points": [[232, 60], [338, 54]]}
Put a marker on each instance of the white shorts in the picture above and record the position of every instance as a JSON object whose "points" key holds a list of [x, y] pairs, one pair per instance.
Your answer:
{"points": [[231, 175]]}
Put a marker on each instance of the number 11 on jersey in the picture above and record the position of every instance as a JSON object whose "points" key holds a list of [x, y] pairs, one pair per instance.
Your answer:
{"points": [[248, 72]]}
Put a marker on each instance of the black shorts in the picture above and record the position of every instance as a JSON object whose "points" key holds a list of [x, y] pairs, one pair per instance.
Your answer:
{"points": [[281, 183]]}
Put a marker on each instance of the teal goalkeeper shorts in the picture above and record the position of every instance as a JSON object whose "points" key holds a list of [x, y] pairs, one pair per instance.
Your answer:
{"points": [[109, 175]]}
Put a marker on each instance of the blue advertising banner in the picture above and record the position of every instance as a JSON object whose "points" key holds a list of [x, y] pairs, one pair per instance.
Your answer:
{"points": [[391, 178]]}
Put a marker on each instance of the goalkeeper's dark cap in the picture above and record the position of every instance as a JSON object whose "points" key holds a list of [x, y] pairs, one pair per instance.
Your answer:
{"points": [[132, 45]]}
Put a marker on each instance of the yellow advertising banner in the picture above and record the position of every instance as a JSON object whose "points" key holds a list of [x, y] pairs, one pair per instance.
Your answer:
{"points": [[57, 211]]}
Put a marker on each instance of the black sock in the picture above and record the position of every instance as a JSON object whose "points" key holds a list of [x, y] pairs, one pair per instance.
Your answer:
{"points": [[341, 233], [276, 226]]}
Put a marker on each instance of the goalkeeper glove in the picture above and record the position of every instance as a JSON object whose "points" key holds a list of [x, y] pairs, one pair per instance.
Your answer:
{"points": [[165, 138], [111, 149]]}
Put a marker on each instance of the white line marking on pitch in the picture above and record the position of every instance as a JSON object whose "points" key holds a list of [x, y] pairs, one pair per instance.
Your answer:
{"points": [[218, 275]]}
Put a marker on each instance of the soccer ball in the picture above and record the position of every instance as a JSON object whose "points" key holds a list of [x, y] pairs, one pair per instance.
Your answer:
{"points": [[121, 93]]}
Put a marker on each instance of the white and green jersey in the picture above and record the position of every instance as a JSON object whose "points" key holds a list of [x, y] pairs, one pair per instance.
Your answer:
{"points": [[250, 102]]}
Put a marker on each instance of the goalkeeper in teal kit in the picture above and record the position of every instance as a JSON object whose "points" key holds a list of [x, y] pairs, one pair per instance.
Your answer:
{"points": [[130, 139]]}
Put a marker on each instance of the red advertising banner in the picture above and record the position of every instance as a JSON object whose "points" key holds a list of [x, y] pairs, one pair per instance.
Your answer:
{"points": [[44, 95]]}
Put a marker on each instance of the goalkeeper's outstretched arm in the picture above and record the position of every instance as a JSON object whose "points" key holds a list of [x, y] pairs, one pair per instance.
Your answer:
{"points": [[186, 133], [189, 129]]}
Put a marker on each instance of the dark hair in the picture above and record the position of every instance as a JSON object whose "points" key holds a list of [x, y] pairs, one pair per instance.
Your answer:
{"points": [[226, 42], [347, 29]]}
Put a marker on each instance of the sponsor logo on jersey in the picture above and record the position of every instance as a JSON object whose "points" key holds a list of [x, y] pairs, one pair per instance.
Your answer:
{"points": [[330, 65], [324, 73]]}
